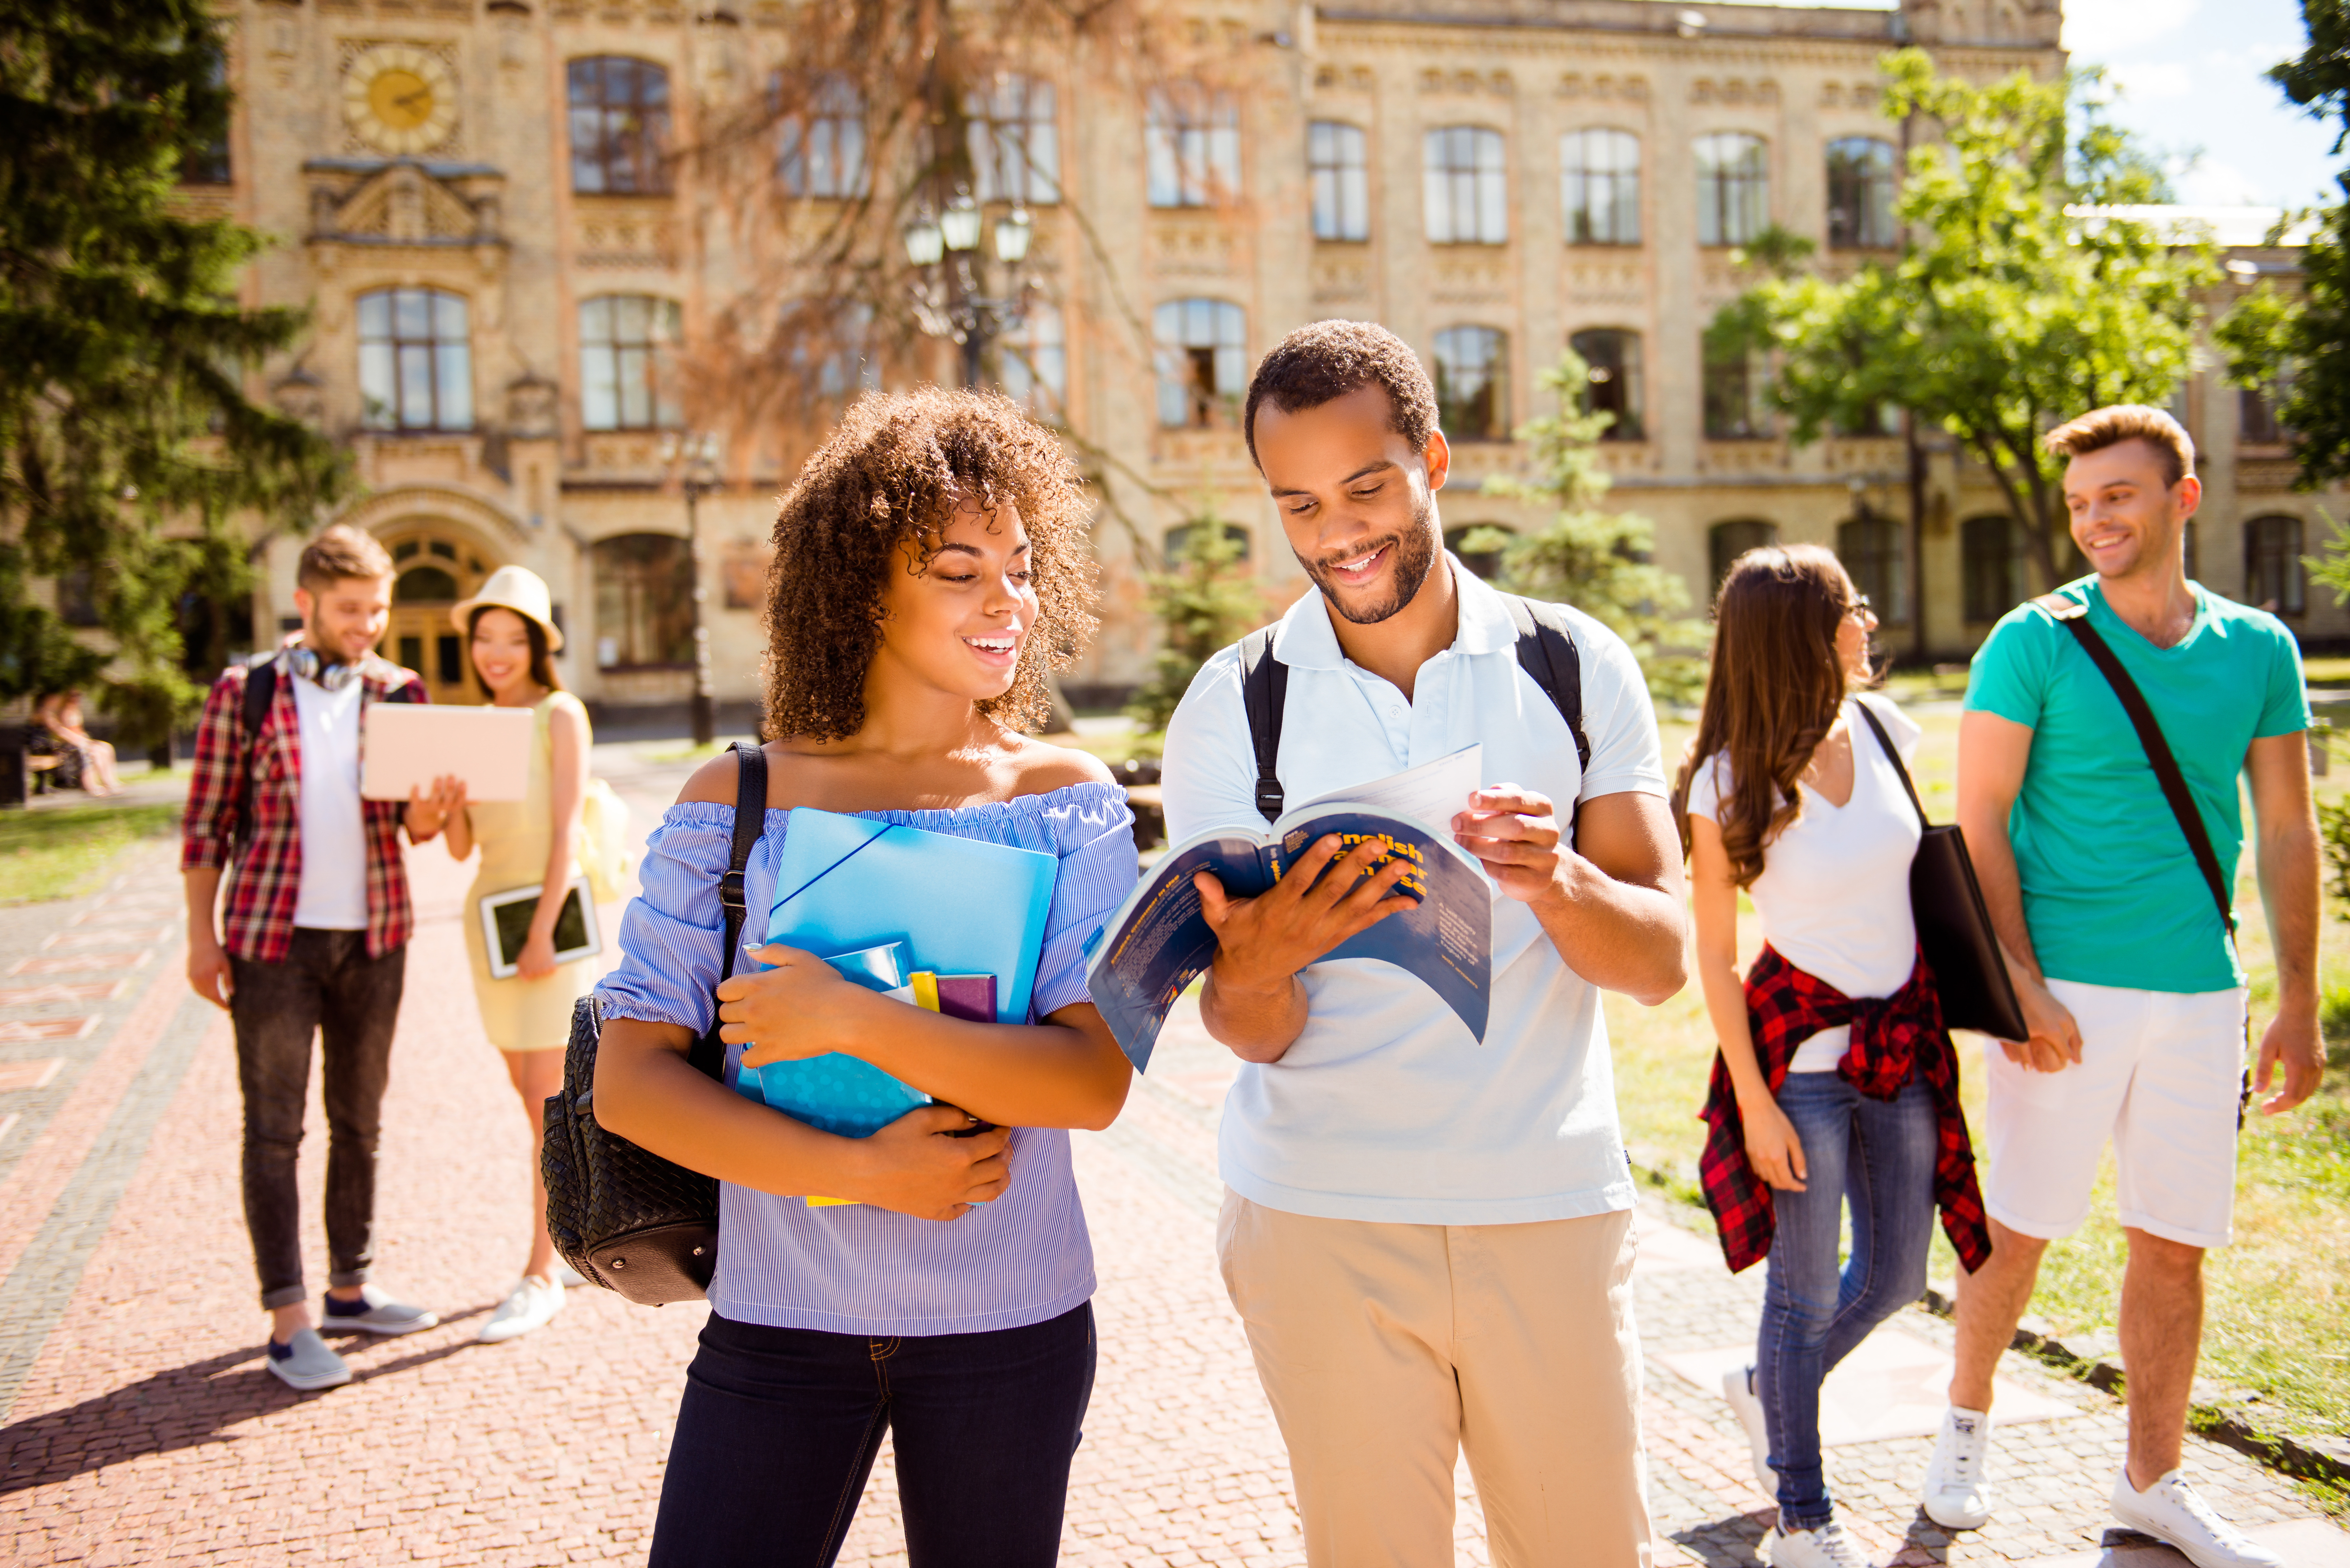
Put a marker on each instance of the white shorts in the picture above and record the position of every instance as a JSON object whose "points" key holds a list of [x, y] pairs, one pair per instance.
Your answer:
{"points": [[2162, 1072]]}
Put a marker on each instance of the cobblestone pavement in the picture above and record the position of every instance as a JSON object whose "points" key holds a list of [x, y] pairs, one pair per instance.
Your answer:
{"points": [[142, 1426]]}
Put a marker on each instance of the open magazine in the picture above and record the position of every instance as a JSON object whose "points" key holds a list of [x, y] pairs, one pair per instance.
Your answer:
{"points": [[1159, 940]]}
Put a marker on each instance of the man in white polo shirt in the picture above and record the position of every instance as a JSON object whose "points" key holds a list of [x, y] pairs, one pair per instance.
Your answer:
{"points": [[1430, 1238]]}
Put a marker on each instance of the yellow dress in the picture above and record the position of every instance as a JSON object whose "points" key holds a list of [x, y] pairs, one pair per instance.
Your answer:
{"points": [[514, 837]]}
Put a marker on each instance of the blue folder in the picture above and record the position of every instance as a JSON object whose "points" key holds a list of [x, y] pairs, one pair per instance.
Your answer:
{"points": [[959, 906]]}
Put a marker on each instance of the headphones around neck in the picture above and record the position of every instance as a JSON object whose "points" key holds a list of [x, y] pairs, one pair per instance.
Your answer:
{"points": [[304, 661]]}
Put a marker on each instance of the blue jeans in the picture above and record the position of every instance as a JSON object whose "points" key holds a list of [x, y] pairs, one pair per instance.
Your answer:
{"points": [[779, 1428], [1881, 1153]]}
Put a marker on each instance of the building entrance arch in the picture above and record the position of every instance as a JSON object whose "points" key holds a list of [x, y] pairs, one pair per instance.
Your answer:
{"points": [[434, 564]]}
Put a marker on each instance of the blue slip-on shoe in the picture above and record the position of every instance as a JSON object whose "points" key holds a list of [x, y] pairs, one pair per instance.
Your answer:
{"points": [[305, 1363], [378, 1314]]}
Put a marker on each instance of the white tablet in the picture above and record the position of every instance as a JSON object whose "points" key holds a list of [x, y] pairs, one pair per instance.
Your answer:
{"points": [[505, 926], [412, 743]]}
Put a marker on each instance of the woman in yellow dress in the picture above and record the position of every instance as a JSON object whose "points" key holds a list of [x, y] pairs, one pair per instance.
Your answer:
{"points": [[530, 842]]}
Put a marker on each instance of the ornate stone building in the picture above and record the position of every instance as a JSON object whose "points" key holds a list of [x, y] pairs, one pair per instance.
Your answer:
{"points": [[471, 199]]}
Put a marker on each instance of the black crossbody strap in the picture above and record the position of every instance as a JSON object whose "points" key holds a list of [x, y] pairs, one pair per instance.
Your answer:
{"points": [[1264, 693], [1546, 651], [709, 1052], [2073, 617], [1895, 758]]}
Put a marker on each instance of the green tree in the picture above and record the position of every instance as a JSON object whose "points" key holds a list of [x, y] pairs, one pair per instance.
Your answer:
{"points": [[127, 445], [1204, 599], [1599, 562], [2014, 303], [2297, 345]]}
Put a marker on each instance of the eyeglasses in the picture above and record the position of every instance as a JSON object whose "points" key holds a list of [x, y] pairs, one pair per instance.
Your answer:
{"points": [[1858, 606]]}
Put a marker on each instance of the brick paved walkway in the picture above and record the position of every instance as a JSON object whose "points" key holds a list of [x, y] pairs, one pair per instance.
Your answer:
{"points": [[142, 1428]]}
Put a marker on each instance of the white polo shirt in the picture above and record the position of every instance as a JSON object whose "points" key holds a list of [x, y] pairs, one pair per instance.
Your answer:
{"points": [[1386, 1107]]}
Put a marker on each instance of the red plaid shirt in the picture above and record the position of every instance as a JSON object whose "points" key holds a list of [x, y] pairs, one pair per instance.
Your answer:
{"points": [[1890, 1036], [257, 818]]}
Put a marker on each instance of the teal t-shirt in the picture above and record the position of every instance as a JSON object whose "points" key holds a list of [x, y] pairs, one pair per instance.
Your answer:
{"points": [[2111, 890]]}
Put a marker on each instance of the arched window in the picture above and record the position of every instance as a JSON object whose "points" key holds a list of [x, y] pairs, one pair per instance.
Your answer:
{"points": [[1339, 169], [1467, 186], [1991, 563], [1725, 542], [1873, 550], [1035, 365], [1861, 195], [1733, 188], [1203, 359], [1611, 375], [619, 126], [1733, 386], [1473, 383], [1178, 540], [1014, 137], [1193, 138], [2274, 576], [1486, 564], [416, 360], [625, 344], [1599, 186], [820, 141], [644, 601]]}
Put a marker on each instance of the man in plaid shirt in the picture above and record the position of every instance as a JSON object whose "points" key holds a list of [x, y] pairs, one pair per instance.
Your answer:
{"points": [[314, 938]]}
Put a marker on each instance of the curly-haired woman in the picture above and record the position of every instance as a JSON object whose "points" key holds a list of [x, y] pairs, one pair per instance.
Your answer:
{"points": [[1835, 1079], [931, 562]]}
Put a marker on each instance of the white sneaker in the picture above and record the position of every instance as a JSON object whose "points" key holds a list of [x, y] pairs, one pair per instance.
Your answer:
{"points": [[1738, 1388], [2170, 1510], [1957, 1493], [527, 1306], [1826, 1547]]}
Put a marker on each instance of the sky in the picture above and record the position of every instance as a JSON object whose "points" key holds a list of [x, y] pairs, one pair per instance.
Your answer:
{"points": [[2190, 75]]}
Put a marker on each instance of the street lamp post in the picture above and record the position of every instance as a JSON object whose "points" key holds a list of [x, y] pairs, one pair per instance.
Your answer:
{"points": [[695, 458], [948, 302]]}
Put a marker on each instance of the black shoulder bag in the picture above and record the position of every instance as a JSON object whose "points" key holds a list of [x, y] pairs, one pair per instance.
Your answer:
{"points": [[1547, 652], [625, 1217], [1954, 928]]}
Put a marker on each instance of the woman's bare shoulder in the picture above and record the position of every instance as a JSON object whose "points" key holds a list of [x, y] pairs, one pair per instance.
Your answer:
{"points": [[1041, 767], [712, 781]]}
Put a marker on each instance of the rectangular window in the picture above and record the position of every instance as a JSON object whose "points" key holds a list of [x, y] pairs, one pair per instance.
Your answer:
{"points": [[1733, 188], [625, 341], [416, 361], [1734, 408], [1473, 383], [1036, 367], [1861, 195], [820, 142], [619, 126], [1467, 191], [1599, 186], [1203, 360], [1611, 371], [1015, 141], [1192, 141], [1336, 160]]}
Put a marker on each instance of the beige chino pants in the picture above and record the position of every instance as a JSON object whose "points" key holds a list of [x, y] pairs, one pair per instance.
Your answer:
{"points": [[1386, 1350]]}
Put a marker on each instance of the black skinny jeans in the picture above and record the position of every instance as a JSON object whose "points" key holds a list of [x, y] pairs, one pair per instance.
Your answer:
{"points": [[779, 1428], [328, 987]]}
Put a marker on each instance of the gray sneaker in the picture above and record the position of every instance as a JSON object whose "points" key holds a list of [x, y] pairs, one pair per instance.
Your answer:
{"points": [[379, 1314], [304, 1362]]}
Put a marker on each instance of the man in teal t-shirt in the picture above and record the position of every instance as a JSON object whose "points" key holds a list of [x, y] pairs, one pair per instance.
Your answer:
{"points": [[2128, 975]]}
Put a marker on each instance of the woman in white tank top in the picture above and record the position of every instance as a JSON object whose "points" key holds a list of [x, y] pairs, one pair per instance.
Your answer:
{"points": [[1834, 1081]]}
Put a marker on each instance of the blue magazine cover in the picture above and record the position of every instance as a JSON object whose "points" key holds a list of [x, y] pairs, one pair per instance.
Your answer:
{"points": [[1159, 942]]}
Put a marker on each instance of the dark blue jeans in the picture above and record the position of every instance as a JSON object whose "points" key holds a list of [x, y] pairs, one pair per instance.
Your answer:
{"points": [[779, 1428], [1880, 1153]]}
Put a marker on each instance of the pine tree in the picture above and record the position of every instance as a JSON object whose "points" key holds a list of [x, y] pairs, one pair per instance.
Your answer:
{"points": [[1202, 600], [1599, 562], [127, 445]]}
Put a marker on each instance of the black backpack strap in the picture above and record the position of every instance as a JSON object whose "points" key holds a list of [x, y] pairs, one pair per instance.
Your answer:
{"points": [[1265, 692], [2073, 614], [1546, 651], [709, 1052]]}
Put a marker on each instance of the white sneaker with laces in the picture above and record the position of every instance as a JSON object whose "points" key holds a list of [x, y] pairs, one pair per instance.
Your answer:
{"points": [[2171, 1510], [1826, 1547], [529, 1305], [1738, 1388], [1957, 1493]]}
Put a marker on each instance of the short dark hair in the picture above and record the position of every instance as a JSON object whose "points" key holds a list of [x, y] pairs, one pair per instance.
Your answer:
{"points": [[1324, 362]]}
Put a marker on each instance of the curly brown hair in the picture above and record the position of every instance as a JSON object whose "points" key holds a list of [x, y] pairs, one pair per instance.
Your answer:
{"points": [[895, 468]]}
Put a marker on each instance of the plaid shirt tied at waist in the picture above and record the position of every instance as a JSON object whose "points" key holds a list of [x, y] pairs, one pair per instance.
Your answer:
{"points": [[1891, 1036], [254, 818]]}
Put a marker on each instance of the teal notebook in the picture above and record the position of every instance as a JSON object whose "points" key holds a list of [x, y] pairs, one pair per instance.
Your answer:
{"points": [[846, 886]]}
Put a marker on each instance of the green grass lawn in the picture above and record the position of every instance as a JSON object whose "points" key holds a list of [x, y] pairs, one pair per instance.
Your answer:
{"points": [[2276, 1297], [57, 854]]}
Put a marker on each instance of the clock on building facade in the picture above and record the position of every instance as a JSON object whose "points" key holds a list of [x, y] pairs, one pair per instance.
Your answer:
{"points": [[400, 98]]}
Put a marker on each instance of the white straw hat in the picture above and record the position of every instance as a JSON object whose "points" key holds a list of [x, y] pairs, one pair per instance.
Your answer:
{"points": [[519, 589]]}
